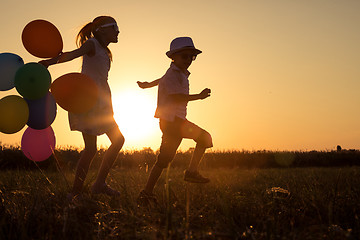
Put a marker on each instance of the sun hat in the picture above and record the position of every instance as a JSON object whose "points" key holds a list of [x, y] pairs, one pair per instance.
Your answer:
{"points": [[182, 43]]}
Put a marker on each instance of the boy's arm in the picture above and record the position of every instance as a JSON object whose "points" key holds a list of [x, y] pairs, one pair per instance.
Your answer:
{"points": [[148, 84], [191, 97]]}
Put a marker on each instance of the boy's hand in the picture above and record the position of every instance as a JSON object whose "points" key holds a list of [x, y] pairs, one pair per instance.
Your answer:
{"points": [[143, 84], [148, 84], [205, 93]]}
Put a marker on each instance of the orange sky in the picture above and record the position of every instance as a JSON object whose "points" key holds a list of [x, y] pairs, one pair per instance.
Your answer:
{"points": [[284, 74]]}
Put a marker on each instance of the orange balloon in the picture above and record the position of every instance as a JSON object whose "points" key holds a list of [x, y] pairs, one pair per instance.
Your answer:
{"points": [[42, 39], [75, 92]]}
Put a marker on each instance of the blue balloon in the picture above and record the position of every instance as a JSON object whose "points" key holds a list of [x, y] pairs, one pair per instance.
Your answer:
{"points": [[9, 64], [42, 112]]}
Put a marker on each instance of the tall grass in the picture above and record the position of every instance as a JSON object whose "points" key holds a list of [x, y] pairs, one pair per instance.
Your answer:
{"points": [[12, 158], [285, 203], [252, 195]]}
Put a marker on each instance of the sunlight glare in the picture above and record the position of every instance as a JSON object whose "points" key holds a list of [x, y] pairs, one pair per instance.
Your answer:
{"points": [[134, 113]]}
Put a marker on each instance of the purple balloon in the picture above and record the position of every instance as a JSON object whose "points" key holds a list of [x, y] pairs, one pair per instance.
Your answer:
{"points": [[38, 145], [42, 112]]}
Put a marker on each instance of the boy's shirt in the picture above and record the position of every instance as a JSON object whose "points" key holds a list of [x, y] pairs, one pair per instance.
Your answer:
{"points": [[173, 82]]}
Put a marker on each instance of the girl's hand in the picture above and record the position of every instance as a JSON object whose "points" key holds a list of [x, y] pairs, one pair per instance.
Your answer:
{"points": [[45, 63]]}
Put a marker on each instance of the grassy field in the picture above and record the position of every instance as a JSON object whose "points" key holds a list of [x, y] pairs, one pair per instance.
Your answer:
{"points": [[274, 203]]}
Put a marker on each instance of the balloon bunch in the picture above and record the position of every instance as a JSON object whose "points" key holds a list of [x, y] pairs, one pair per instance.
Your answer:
{"points": [[36, 107]]}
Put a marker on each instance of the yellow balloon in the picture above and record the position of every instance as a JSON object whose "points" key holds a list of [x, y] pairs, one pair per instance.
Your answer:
{"points": [[14, 113]]}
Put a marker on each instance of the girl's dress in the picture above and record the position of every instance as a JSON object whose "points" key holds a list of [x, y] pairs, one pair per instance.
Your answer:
{"points": [[100, 119]]}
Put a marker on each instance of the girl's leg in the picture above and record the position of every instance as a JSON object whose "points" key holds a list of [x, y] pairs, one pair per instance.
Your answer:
{"points": [[84, 162], [117, 141]]}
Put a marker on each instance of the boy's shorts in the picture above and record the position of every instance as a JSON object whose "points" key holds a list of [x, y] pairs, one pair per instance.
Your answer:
{"points": [[173, 133]]}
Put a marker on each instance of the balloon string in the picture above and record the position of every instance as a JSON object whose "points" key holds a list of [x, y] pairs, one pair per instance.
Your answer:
{"points": [[41, 171], [59, 57], [59, 168]]}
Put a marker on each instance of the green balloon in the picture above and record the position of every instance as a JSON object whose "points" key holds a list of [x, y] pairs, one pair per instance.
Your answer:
{"points": [[32, 81]]}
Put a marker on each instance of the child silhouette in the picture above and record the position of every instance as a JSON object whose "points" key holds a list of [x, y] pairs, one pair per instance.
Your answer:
{"points": [[173, 97], [93, 40]]}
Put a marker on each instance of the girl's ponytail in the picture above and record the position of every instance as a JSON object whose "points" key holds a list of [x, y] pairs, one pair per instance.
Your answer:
{"points": [[84, 34]]}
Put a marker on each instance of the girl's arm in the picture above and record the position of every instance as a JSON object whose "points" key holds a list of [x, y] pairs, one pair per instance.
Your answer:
{"points": [[191, 97], [148, 84], [87, 48]]}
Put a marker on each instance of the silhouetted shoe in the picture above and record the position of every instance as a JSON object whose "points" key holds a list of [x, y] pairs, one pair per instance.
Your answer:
{"points": [[104, 189], [146, 199], [195, 177]]}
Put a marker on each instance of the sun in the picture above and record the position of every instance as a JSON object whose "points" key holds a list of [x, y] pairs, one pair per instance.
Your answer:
{"points": [[134, 113]]}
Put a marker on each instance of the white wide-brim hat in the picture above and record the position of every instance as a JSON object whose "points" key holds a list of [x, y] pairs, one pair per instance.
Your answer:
{"points": [[182, 43]]}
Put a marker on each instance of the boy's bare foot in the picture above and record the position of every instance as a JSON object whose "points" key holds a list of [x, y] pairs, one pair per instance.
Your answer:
{"points": [[195, 177], [104, 189]]}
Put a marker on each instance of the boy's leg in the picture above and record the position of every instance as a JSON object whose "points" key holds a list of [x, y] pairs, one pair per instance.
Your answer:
{"points": [[196, 158], [84, 162], [169, 145], [203, 141], [155, 173]]}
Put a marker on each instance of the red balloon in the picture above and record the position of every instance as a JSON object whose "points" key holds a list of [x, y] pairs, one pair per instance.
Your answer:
{"points": [[42, 39], [75, 92]]}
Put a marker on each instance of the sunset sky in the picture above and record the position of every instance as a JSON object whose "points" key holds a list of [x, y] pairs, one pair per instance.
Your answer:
{"points": [[284, 75]]}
